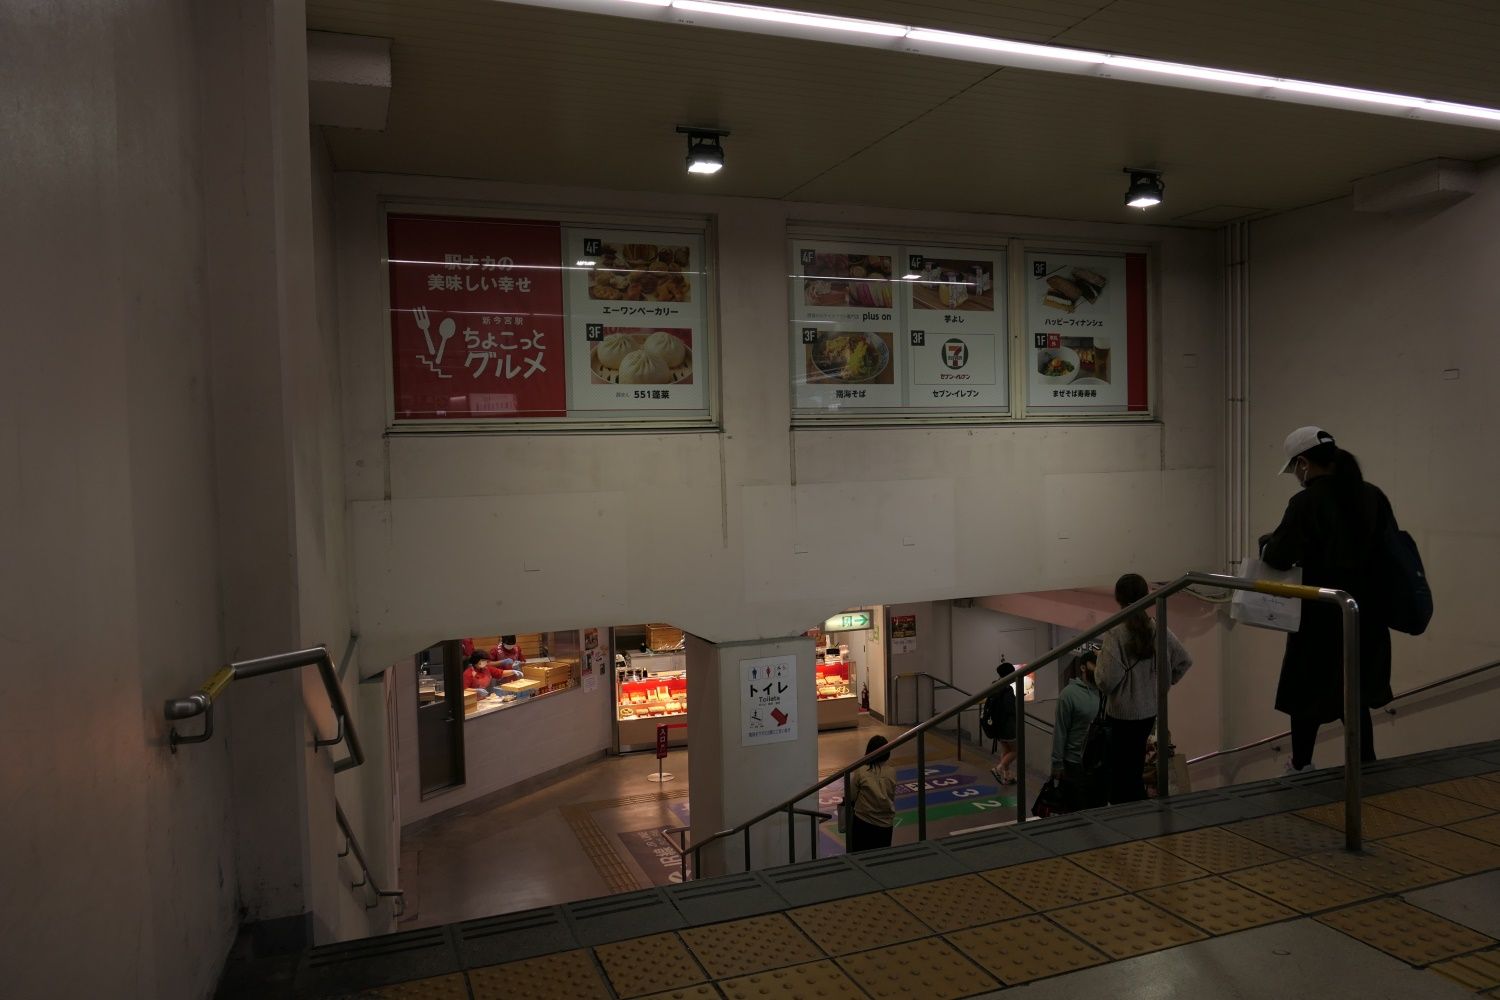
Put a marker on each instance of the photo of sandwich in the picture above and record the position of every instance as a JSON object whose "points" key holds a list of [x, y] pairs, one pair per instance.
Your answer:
{"points": [[840, 279], [1069, 287]]}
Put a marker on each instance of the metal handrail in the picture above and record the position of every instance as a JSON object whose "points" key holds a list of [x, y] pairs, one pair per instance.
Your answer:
{"points": [[351, 844], [1349, 607], [201, 702], [1420, 689]]}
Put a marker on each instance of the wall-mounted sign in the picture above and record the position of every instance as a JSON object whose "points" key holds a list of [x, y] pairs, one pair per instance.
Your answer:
{"points": [[850, 621], [903, 633], [768, 700]]}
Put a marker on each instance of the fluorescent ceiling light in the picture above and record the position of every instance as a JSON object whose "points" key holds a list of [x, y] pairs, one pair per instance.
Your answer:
{"points": [[801, 20], [1028, 55]]}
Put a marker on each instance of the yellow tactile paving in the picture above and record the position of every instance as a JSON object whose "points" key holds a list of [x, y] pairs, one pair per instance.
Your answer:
{"points": [[1376, 823], [823, 980], [1429, 807], [1486, 828], [955, 903], [649, 965], [754, 944], [857, 923], [1385, 869], [1218, 905], [1137, 865], [1480, 791], [1288, 834], [1407, 932], [703, 991], [1302, 886], [1125, 926], [1448, 849], [1044, 885], [930, 969], [449, 987], [568, 975], [1216, 850], [1474, 972], [1018, 951]]}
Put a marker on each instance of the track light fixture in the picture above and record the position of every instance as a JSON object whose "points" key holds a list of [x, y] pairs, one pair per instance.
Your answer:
{"points": [[1146, 188], [705, 153]]}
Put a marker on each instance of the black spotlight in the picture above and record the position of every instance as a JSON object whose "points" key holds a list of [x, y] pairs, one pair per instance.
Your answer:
{"points": [[705, 153], [1146, 188]]}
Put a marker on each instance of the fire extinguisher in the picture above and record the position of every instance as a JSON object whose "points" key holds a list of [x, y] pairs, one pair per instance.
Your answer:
{"points": [[864, 697]]}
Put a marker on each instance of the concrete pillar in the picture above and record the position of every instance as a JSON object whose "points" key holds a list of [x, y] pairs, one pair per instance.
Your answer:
{"points": [[732, 775]]}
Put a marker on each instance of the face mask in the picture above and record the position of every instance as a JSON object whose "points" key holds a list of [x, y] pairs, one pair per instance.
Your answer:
{"points": [[1300, 471]]}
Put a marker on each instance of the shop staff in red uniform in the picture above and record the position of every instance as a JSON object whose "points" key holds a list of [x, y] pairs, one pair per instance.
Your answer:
{"points": [[508, 656], [481, 676]]}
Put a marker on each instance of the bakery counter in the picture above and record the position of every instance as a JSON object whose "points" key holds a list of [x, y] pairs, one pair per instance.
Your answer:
{"points": [[640, 733], [542, 677]]}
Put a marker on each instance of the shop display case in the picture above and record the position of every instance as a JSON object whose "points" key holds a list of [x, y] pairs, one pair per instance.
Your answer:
{"points": [[650, 690], [551, 666], [838, 705]]}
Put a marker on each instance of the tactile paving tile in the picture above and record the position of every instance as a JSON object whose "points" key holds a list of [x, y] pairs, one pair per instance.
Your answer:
{"points": [[1126, 926], [1137, 865], [564, 976], [1044, 885], [955, 903], [1385, 869], [1448, 849], [1302, 886], [1218, 851], [1375, 822], [449, 987], [1018, 951], [755, 944], [1218, 905], [1404, 931], [1480, 791], [930, 969], [1289, 834], [1486, 828], [649, 965], [1474, 972], [1428, 806], [823, 980], [703, 991], [846, 925]]}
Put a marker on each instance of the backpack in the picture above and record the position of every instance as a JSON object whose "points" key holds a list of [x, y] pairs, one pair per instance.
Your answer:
{"points": [[1096, 747], [1405, 594]]}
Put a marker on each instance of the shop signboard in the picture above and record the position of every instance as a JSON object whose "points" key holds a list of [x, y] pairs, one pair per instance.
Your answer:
{"points": [[636, 334], [1086, 320], [768, 700], [955, 328], [903, 633], [845, 326], [476, 318]]}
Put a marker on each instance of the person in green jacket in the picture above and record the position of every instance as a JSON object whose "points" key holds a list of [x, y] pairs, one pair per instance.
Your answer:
{"points": [[1077, 707]]}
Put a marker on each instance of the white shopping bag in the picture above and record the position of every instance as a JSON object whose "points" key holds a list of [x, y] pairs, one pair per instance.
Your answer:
{"points": [[1262, 610]]}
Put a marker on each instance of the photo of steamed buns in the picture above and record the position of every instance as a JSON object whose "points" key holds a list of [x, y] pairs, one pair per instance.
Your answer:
{"points": [[629, 355], [644, 368]]}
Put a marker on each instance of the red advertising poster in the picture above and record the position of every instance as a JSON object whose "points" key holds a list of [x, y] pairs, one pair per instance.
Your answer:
{"points": [[476, 318]]}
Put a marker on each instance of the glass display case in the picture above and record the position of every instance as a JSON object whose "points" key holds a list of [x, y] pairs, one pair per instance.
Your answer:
{"points": [[838, 704], [650, 690]]}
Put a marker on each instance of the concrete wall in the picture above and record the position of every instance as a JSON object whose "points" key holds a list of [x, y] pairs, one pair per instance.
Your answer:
{"points": [[117, 872], [1380, 329], [743, 534]]}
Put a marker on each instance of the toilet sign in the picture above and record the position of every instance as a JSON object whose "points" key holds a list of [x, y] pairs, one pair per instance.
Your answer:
{"points": [[768, 700]]}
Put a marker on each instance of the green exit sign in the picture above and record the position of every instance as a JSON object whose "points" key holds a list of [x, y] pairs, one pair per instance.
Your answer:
{"points": [[849, 621]]}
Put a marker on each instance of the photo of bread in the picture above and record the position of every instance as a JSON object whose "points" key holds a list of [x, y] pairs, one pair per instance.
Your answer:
{"points": [[641, 272], [631, 355], [1070, 287]]}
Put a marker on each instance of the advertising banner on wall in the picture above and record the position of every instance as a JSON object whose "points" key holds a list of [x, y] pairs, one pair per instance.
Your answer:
{"points": [[1086, 316], [903, 633], [955, 324], [768, 700], [845, 329], [635, 320], [476, 318]]}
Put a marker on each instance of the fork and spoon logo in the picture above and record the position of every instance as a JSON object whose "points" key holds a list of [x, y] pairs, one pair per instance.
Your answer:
{"points": [[446, 329]]}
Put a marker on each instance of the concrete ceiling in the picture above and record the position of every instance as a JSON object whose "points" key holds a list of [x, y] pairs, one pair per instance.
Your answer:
{"points": [[491, 90]]}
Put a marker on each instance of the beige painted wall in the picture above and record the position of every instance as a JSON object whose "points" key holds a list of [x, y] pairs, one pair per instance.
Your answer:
{"points": [[1355, 319], [707, 530]]}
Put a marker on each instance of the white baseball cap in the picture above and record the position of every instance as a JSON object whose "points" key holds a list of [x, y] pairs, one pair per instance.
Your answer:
{"points": [[1300, 441]]}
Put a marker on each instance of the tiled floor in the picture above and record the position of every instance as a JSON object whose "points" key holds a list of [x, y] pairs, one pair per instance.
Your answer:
{"points": [[1254, 907]]}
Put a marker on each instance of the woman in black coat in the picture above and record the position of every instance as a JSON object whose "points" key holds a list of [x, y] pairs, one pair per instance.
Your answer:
{"points": [[1332, 528]]}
